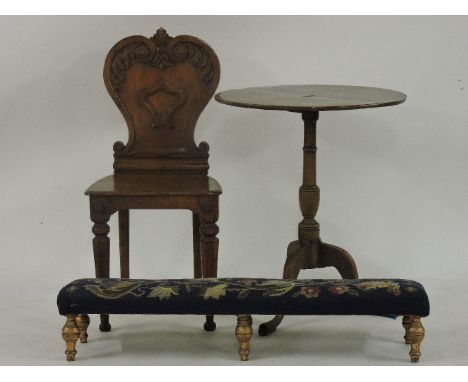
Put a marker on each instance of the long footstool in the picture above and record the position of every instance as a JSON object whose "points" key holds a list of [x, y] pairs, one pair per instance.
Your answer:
{"points": [[243, 297]]}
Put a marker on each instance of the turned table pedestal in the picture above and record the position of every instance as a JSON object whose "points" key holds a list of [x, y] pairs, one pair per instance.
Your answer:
{"points": [[309, 251]]}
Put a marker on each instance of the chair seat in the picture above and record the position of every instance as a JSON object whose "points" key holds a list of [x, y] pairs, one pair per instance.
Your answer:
{"points": [[142, 184], [380, 297]]}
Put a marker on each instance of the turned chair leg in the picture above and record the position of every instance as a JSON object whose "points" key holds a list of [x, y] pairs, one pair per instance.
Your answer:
{"points": [[70, 334], [406, 322], [208, 247], [415, 335], [100, 215], [124, 246], [82, 322], [243, 334], [209, 324]]}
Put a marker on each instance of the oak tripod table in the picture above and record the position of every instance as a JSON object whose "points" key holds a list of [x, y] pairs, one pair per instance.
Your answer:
{"points": [[309, 252]]}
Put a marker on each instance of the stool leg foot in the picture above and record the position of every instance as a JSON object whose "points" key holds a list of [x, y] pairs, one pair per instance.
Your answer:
{"points": [[82, 321], [334, 256], [415, 336], [406, 322], [243, 334], [70, 334]]}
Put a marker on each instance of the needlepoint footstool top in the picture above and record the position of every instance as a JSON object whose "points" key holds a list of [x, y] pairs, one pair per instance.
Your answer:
{"points": [[381, 297], [300, 98]]}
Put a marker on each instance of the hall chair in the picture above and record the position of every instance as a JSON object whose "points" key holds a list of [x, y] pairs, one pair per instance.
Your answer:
{"points": [[161, 85]]}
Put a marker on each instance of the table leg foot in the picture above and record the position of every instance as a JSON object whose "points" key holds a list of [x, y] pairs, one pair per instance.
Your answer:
{"points": [[302, 255], [333, 256], [269, 327], [291, 270]]}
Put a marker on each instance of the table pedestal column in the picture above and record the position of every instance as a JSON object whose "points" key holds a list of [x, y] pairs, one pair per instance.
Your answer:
{"points": [[309, 251]]}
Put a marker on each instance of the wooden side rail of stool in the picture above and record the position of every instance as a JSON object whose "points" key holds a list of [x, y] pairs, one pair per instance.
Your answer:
{"points": [[243, 297]]}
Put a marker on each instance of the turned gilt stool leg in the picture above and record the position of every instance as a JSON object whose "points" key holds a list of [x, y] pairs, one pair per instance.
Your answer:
{"points": [[415, 335], [406, 322], [82, 322], [70, 334], [243, 334]]}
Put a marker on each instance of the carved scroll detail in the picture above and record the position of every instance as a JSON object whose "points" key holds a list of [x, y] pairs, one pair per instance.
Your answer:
{"points": [[124, 59], [192, 53], [161, 51]]}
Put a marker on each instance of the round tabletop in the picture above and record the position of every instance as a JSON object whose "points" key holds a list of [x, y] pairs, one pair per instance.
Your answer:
{"points": [[301, 98]]}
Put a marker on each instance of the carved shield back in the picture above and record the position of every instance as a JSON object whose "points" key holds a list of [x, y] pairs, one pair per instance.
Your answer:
{"points": [[161, 85]]}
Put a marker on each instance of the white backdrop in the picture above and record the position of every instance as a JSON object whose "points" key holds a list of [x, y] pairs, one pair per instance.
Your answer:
{"points": [[393, 182]]}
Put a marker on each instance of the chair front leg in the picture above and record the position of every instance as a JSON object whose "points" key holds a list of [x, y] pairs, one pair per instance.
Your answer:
{"points": [[197, 271], [100, 215], [209, 244], [124, 246]]}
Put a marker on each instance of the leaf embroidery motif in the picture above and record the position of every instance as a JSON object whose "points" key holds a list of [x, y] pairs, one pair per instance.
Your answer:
{"points": [[113, 290], [163, 293], [391, 286], [215, 292], [279, 291]]}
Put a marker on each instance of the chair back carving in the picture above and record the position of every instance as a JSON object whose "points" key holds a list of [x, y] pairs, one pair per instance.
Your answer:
{"points": [[161, 85]]}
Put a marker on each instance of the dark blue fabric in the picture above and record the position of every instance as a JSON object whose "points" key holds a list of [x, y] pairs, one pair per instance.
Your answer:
{"points": [[381, 297]]}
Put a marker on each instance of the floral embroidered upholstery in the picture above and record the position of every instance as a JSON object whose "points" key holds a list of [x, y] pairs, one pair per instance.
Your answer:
{"points": [[382, 297]]}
